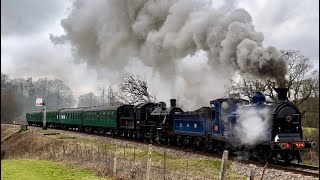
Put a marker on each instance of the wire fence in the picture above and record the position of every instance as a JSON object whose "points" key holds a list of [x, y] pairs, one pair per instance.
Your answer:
{"points": [[125, 161], [120, 161]]}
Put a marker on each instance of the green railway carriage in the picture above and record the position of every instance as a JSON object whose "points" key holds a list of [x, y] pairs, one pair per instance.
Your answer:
{"points": [[107, 116], [34, 117], [104, 117], [51, 117], [70, 117]]}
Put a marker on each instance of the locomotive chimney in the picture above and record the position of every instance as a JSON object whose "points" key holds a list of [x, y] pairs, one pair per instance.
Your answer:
{"points": [[173, 103], [282, 93]]}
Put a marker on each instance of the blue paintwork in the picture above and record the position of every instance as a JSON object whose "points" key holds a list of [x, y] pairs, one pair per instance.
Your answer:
{"points": [[225, 117], [190, 124], [216, 121]]}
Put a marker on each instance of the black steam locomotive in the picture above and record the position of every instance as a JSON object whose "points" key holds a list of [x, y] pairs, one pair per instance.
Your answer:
{"points": [[214, 128]]}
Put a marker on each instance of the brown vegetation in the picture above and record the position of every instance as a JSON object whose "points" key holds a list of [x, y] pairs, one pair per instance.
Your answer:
{"points": [[100, 157]]}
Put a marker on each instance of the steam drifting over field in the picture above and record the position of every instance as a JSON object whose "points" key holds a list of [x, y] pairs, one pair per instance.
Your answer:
{"points": [[161, 33]]}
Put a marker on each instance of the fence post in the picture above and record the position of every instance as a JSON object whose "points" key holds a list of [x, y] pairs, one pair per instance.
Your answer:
{"points": [[223, 164], [98, 154], [63, 149], [93, 154], [115, 161], [164, 164], [149, 162], [264, 168], [77, 151], [187, 174], [51, 151], [134, 156], [81, 154], [252, 172]]}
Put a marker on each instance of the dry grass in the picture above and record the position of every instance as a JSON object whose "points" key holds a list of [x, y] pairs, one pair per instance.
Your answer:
{"points": [[98, 155], [8, 130]]}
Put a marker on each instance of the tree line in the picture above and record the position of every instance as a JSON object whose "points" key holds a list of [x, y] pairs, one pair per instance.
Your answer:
{"points": [[18, 95]]}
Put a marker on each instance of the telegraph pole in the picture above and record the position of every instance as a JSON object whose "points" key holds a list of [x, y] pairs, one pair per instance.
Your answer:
{"points": [[44, 115]]}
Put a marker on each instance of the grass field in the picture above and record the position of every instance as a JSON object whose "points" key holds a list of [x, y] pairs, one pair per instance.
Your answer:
{"points": [[39, 170]]}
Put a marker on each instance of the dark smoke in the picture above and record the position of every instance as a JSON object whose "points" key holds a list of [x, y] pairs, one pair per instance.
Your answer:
{"points": [[108, 34]]}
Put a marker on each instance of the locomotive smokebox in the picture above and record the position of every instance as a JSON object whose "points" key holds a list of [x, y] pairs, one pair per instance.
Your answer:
{"points": [[282, 93], [173, 103]]}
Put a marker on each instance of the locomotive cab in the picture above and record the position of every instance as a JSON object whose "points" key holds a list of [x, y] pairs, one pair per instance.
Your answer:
{"points": [[158, 124], [224, 116]]}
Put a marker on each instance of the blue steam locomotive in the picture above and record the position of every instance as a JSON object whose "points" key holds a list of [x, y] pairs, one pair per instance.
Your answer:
{"points": [[263, 130]]}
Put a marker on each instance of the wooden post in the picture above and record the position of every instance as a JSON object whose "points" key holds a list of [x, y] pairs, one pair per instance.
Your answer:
{"points": [[164, 164], [81, 154], [51, 151], [105, 152], [134, 156], [115, 161], [264, 168], [93, 154], [223, 164], [252, 172], [149, 162], [98, 154], [77, 151], [187, 174]]}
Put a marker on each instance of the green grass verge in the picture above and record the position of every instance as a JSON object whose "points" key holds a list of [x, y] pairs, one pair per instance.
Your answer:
{"points": [[207, 168], [39, 170]]}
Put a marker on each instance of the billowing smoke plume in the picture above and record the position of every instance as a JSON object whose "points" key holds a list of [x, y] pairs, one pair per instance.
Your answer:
{"points": [[252, 125], [107, 34]]}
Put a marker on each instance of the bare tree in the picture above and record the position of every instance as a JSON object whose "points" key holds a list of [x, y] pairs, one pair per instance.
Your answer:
{"points": [[19, 95], [134, 90], [56, 93], [111, 96], [102, 95], [12, 98], [87, 100], [302, 81], [60, 94]]}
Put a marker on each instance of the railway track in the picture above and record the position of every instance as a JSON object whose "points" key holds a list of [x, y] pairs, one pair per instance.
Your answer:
{"points": [[302, 169], [307, 171]]}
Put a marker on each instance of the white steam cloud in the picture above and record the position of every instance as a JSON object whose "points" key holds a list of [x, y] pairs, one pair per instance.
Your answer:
{"points": [[252, 125], [161, 33]]}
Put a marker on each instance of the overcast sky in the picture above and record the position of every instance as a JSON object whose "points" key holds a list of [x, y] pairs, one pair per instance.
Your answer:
{"points": [[26, 50]]}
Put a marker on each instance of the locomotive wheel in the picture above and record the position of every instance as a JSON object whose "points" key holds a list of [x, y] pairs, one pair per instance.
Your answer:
{"points": [[263, 153]]}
